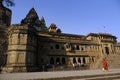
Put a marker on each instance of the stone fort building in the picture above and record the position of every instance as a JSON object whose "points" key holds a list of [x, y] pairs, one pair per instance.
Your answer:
{"points": [[31, 44]]}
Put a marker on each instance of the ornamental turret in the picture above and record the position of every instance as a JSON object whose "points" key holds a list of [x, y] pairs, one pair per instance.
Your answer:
{"points": [[53, 28]]}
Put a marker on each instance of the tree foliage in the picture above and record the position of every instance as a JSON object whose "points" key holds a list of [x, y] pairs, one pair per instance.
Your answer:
{"points": [[8, 2]]}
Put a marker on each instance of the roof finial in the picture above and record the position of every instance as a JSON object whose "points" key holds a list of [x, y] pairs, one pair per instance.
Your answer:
{"points": [[33, 4], [104, 29]]}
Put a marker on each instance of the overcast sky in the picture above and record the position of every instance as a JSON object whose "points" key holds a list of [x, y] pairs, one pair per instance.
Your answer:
{"points": [[74, 16]]}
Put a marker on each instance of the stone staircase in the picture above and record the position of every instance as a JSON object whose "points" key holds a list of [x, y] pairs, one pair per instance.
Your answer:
{"points": [[97, 64], [100, 77], [113, 61]]}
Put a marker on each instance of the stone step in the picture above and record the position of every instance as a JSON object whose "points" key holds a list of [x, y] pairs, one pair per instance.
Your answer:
{"points": [[86, 77], [101, 78], [113, 60], [64, 75]]}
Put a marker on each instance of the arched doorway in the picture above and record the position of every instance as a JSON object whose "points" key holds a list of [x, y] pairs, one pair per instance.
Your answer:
{"points": [[79, 60], [84, 61], [52, 60], [107, 50], [74, 60]]}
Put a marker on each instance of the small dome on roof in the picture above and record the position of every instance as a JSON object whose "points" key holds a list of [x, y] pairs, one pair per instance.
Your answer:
{"points": [[53, 25], [59, 30]]}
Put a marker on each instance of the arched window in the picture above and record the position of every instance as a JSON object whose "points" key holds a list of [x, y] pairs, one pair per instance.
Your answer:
{"points": [[57, 46], [84, 60], [107, 50], [63, 61], [51, 60], [79, 60], [82, 49], [77, 47], [73, 47], [67, 45], [74, 60], [92, 59]]}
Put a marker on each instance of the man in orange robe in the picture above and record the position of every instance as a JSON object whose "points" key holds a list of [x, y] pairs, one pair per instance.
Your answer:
{"points": [[105, 66]]}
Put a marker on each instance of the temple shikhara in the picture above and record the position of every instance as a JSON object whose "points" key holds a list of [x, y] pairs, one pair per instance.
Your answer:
{"points": [[33, 46]]}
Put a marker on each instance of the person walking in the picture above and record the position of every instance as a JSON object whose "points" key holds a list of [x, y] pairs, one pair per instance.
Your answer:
{"points": [[105, 65]]}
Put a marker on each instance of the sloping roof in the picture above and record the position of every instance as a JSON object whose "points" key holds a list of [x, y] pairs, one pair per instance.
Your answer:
{"points": [[101, 34], [92, 34], [68, 35]]}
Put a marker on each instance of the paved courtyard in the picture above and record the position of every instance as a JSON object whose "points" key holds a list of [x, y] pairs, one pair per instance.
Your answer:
{"points": [[57, 74]]}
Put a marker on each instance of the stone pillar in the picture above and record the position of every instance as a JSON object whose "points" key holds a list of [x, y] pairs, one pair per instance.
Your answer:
{"points": [[81, 60], [76, 60], [90, 59], [16, 55], [70, 60], [87, 60]]}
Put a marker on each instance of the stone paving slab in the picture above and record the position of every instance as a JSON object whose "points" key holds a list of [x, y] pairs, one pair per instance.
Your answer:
{"points": [[57, 74], [101, 78]]}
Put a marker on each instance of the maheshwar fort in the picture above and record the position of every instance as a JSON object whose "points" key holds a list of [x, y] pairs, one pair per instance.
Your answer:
{"points": [[33, 46]]}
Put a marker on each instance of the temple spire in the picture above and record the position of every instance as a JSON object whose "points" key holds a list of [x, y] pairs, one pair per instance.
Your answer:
{"points": [[31, 17]]}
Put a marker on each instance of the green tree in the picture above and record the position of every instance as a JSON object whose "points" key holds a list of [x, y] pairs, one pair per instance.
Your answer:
{"points": [[8, 2]]}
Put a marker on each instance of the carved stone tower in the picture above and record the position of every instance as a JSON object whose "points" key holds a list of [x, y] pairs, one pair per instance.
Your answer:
{"points": [[21, 55], [21, 49]]}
